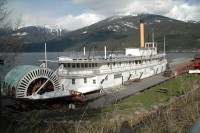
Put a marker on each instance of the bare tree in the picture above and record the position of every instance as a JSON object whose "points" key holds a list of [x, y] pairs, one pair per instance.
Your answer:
{"points": [[10, 42]]}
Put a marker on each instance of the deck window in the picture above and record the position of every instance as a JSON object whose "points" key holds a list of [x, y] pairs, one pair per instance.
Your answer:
{"points": [[68, 65], [85, 80], [65, 65], [113, 63], [117, 76], [94, 81], [120, 63], [73, 81], [95, 64], [82, 65], [108, 64], [78, 65], [73, 65], [86, 65], [90, 65]]}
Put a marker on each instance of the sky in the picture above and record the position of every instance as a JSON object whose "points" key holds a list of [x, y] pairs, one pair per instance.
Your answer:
{"points": [[75, 14]]}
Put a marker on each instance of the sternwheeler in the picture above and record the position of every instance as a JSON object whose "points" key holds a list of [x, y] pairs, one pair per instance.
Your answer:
{"points": [[79, 75]]}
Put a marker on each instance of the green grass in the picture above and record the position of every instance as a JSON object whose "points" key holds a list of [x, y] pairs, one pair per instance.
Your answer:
{"points": [[154, 95]]}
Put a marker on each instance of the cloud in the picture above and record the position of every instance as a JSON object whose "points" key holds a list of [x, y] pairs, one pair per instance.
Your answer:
{"points": [[185, 11], [70, 22], [75, 14], [75, 22], [177, 9]]}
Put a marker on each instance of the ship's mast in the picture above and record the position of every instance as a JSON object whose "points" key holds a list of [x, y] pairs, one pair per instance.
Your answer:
{"points": [[164, 44], [45, 47], [152, 36]]}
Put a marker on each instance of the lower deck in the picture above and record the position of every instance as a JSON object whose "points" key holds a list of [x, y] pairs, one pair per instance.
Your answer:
{"points": [[100, 81]]}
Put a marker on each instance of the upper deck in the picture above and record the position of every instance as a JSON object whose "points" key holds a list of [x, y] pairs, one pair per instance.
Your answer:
{"points": [[131, 54], [110, 58]]}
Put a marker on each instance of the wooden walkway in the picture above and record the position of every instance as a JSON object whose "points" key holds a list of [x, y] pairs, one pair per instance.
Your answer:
{"points": [[131, 88]]}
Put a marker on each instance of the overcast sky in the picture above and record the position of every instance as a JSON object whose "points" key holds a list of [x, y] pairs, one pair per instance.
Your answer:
{"points": [[74, 14]]}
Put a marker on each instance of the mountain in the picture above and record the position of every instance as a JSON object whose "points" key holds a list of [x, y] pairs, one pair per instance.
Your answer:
{"points": [[123, 31], [34, 34]]}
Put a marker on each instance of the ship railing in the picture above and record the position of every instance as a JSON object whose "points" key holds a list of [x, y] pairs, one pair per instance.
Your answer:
{"points": [[121, 57], [106, 71]]}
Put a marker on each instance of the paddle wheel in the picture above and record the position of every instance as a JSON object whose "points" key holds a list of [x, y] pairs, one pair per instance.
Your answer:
{"points": [[37, 83], [26, 81]]}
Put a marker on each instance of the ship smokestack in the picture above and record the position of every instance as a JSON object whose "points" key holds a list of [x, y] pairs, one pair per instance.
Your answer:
{"points": [[141, 33]]}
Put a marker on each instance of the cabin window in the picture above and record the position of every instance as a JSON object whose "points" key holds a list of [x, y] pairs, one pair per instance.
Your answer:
{"points": [[108, 64], [120, 63], [85, 80], [113, 63], [86, 65], [94, 81], [68, 65], [63, 64], [117, 76], [95, 64], [90, 65], [82, 65], [73, 65], [129, 62], [73, 81], [78, 65]]}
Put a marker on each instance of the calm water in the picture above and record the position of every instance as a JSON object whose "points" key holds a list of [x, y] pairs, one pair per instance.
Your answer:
{"points": [[32, 58]]}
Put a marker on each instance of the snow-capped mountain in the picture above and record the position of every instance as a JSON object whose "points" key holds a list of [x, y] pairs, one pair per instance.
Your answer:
{"points": [[123, 31], [129, 21], [35, 33]]}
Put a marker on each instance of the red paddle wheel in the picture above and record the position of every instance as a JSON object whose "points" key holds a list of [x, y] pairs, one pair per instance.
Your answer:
{"points": [[37, 83]]}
